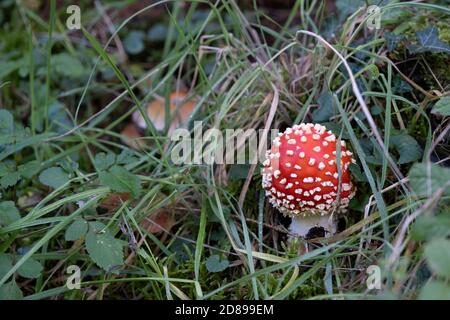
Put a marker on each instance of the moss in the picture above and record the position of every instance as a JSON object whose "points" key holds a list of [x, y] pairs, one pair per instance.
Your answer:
{"points": [[431, 66], [444, 30]]}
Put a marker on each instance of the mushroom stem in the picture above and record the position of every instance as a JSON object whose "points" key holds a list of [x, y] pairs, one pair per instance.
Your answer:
{"points": [[313, 226]]}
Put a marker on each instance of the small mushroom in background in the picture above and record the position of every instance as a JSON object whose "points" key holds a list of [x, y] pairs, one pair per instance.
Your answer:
{"points": [[301, 179], [132, 137], [181, 108]]}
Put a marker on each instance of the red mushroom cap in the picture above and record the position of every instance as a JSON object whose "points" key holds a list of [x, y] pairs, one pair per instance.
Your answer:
{"points": [[300, 173]]}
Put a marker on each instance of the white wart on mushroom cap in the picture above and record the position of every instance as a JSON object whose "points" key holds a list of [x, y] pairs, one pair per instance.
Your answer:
{"points": [[301, 175]]}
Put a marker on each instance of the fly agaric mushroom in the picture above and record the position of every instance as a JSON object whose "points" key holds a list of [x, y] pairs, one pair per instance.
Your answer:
{"points": [[302, 179]]}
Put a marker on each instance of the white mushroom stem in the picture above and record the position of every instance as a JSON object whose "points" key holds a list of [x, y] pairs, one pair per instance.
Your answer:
{"points": [[300, 225]]}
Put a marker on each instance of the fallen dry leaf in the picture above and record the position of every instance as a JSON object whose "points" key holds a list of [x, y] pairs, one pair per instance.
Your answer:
{"points": [[114, 200], [158, 222], [29, 199]]}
